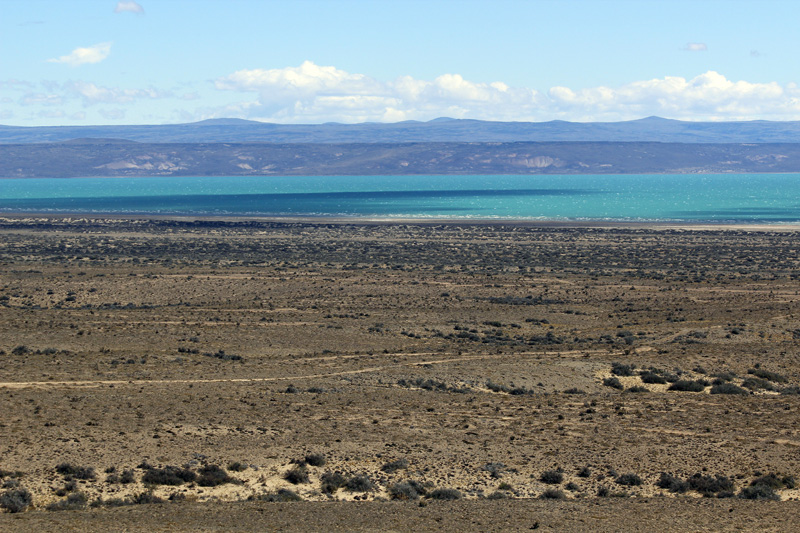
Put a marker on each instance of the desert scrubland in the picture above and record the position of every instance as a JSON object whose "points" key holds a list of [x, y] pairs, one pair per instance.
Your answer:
{"points": [[313, 375]]}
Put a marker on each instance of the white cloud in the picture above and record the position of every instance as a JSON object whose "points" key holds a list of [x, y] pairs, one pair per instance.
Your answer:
{"points": [[112, 114], [95, 94], [128, 6], [696, 47], [311, 93], [80, 56], [41, 99]]}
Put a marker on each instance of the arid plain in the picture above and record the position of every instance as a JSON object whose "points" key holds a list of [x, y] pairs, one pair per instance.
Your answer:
{"points": [[312, 375]]}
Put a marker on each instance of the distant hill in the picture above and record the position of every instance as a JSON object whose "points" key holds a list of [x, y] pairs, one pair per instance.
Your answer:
{"points": [[110, 157], [651, 129]]}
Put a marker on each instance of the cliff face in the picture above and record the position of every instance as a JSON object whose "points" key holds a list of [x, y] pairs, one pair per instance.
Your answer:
{"points": [[96, 158]]}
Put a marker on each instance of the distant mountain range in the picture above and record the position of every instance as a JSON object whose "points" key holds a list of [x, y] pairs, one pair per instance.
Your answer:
{"points": [[232, 147], [124, 158], [652, 129]]}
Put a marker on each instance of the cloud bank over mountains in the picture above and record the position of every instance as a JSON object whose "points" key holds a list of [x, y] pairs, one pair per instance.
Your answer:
{"points": [[311, 93]]}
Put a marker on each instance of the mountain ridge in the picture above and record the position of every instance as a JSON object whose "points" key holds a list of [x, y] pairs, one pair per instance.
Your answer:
{"points": [[443, 129]]}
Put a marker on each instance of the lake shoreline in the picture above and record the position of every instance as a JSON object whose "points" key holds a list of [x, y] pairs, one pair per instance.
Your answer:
{"points": [[422, 221]]}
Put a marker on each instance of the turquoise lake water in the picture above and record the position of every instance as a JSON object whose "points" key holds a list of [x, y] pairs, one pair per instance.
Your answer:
{"points": [[734, 198]]}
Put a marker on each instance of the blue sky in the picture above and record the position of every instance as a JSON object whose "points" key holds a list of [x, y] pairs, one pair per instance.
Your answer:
{"points": [[70, 62]]}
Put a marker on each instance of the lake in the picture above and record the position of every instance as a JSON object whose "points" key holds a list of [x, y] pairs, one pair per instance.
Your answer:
{"points": [[726, 198]]}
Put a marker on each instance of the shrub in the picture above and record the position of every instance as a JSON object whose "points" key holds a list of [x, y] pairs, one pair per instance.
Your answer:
{"points": [[603, 492], [671, 483], [553, 494], [144, 498], [775, 482], [584, 472], [754, 383], [497, 495], [213, 475], [403, 491], [283, 495], [170, 475], [332, 481], [574, 390], [685, 385], [629, 480], [494, 469], [620, 369], [73, 502], [76, 472], [759, 492], [709, 485], [727, 388], [572, 487], [394, 466], [445, 494], [359, 483], [649, 376], [551, 477], [296, 474], [127, 477], [237, 466], [315, 459], [724, 376], [637, 389], [766, 374], [16, 500], [613, 382]]}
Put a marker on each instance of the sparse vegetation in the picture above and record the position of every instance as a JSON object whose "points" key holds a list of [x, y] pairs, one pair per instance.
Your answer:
{"points": [[212, 476], [444, 494], [16, 500], [629, 480], [551, 477]]}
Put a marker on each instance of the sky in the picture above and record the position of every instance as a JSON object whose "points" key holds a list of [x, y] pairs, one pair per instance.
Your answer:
{"points": [[93, 62]]}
